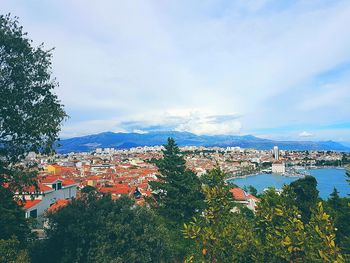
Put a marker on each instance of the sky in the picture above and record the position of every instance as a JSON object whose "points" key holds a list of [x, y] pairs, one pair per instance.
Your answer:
{"points": [[273, 69]]}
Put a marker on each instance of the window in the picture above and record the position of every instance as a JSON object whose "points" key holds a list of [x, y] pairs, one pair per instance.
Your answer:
{"points": [[59, 186], [33, 213], [54, 186]]}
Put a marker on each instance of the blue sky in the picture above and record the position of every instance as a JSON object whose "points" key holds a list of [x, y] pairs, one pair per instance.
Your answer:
{"points": [[274, 69]]}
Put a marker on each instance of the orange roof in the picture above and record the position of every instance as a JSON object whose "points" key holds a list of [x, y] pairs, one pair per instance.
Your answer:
{"points": [[116, 189], [29, 203], [32, 189], [58, 204], [67, 182], [53, 178], [49, 179], [94, 177], [64, 168], [238, 194]]}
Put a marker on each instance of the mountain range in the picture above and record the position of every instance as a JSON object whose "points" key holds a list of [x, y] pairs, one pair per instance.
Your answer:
{"points": [[129, 140]]}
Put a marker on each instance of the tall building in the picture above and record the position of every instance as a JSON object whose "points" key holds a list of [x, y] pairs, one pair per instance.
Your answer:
{"points": [[276, 152]]}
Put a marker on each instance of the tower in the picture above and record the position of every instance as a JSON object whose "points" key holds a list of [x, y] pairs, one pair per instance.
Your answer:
{"points": [[276, 152]]}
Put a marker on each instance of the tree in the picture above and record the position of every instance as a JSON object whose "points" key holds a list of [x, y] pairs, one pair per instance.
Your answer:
{"points": [[11, 252], [284, 237], [220, 234], [98, 229], [307, 197], [31, 113], [320, 245], [178, 192], [12, 219], [30, 117], [88, 189], [334, 200], [339, 209], [279, 228]]}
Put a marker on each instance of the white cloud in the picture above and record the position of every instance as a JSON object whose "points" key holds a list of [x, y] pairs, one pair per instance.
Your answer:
{"points": [[138, 62], [191, 120], [305, 134]]}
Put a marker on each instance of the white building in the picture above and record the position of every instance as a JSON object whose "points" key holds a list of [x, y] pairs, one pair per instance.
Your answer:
{"points": [[50, 189], [278, 167]]}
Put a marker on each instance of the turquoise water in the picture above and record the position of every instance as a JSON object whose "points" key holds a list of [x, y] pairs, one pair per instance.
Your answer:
{"points": [[326, 180]]}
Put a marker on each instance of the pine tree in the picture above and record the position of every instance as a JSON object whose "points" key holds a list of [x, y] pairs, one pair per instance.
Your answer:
{"points": [[334, 199], [178, 192]]}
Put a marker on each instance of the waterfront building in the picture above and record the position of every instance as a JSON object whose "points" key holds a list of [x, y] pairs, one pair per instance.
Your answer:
{"points": [[278, 167]]}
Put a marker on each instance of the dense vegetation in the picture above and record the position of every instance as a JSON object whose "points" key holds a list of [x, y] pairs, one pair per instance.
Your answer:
{"points": [[188, 219]]}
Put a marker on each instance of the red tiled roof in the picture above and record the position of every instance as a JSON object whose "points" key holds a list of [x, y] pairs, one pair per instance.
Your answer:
{"points": [[53, 178], [238, 194], [116, 189], [29, 203], [57, 205], [67, 182], [94, 177], [49, 179], [68, 169], [32, 189]]}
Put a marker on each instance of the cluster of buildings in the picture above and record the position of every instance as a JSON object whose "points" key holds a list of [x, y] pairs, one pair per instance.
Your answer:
{"points": [[129, 172]]}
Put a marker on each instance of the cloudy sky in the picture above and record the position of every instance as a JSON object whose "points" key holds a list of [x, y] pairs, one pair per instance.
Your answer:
{"points": [[274, 69]]}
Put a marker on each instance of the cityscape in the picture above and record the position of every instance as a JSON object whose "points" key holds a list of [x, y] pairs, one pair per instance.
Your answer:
{"points": [[174, 131], [129, 171]]}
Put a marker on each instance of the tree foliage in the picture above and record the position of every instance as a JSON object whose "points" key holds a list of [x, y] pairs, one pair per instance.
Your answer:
{"points": [[11, 251], [31, 113], [178, 193], [220, 235], [98, 229], [306, 195], [30, 118], [339, 209]]}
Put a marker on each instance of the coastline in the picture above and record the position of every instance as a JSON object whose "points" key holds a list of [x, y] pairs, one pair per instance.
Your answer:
{"points": [[286, 174]]}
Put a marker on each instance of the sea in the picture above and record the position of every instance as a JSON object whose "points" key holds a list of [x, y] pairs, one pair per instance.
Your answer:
{"points": [[327, 179]]}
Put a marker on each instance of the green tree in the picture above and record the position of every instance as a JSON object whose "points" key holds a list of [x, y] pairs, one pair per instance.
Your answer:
{"points": [[279, 228], [339, 210], [334, 200], [178, 193], [88, 189], [220, 234], [306, 197], [11, 251], [30, 116], [320, 244], [284, 237], [31, 113], [12, 220], [98, 229]]}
